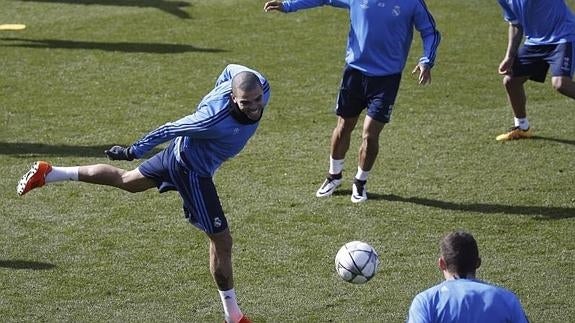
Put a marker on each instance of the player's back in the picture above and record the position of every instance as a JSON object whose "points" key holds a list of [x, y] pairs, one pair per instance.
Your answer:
{"points": [[467, 301]]}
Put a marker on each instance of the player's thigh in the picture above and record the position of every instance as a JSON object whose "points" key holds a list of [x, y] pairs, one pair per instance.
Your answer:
{"points": [[381, 93], [560, 60], [351, 98], [532, 62], [202, 206], [134, 181]]}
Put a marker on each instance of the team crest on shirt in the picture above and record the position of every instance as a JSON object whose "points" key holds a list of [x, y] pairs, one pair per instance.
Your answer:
{"points": [[364, 4], [381, 4], [396, 11], [236, 131]]}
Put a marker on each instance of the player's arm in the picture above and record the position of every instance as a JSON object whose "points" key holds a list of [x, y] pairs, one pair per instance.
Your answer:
{"points": [[515, 35], [514, 38], [418, 311], [295, 5], [517, 313], [430, 36], [196, 125]]}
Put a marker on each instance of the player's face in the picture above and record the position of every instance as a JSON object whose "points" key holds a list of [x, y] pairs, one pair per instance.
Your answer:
{"points": [[250, 102]]}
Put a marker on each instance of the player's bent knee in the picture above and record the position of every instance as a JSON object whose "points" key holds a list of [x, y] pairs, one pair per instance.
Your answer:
{"points": [[509, 81], [561, 84], [222, 241]]}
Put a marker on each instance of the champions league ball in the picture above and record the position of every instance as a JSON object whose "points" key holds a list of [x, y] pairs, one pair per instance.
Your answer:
{"points": [[356, 262]]}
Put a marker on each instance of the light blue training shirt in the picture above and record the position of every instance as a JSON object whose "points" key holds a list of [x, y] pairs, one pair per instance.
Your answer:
{"points": [[544, 22], [381, 32], [466, 301], [215, 132]]}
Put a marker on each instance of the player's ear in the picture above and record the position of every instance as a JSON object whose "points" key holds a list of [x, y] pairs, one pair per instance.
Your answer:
{"points": [[478, 264], [441, 263]]}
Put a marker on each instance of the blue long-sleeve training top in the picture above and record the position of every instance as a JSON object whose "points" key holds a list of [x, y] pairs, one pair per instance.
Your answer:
{"points": [[544, 22], [381, 32], [213, 133]]}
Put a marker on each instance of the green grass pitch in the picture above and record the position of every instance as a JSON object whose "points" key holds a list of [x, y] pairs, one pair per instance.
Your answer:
{"points": [[88, 74]]}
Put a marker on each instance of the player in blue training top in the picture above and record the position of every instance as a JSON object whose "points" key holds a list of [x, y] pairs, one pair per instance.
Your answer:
{"points": [[380, 36], [549, 29], [222, 124], [461, 297]]}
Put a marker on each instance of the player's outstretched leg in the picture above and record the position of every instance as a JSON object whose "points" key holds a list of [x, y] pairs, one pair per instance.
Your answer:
{"points": [[35, 177]]}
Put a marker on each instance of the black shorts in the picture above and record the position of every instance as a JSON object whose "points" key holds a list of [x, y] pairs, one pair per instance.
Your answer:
{"points": [[534, 61], [202, 205], [359, 91]]}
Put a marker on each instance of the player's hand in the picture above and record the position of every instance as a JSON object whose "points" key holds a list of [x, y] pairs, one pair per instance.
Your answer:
{"points": [[505, 66], [424, 71], [119, 153], [273, 5]]}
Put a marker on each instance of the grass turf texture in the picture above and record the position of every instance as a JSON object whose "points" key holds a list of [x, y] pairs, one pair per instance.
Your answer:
{"points": [[85, 75]]}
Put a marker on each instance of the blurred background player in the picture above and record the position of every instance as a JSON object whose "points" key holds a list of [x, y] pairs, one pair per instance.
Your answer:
{"points": [[549, 29], [221, 126], [380, 36], [461, 297]]}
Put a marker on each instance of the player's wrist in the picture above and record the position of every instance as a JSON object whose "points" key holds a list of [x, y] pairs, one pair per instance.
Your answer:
{"points": [[130, 154]]}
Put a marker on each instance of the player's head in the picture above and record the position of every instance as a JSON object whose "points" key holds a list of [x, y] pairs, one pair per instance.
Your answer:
{"points": [[247, 93], [459, 254]]}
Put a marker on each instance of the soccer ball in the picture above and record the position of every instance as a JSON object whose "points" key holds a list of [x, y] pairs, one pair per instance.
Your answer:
{"points": [[356, 262]]}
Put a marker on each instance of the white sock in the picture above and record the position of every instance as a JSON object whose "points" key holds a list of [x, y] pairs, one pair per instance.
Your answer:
{"points": [[522, 123], [231, 308], [62, 174], [335, 165], [361, 174]]}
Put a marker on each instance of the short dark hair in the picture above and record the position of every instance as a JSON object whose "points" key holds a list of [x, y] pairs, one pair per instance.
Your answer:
{"points": [[245, 81], [460, 252]]}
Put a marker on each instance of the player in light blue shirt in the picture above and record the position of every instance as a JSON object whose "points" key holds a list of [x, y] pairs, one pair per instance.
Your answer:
{"points": [[380, 36], [461, 297], [549, 30], [217, 130]]}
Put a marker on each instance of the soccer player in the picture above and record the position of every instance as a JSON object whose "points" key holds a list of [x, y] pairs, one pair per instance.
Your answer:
{"points": [[377, 48], [549, 29], [222, 124], [461, 297]]}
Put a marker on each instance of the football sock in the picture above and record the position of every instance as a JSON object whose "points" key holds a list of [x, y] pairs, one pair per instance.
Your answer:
{"points": [[231, 308], [335, 165], [62, 174], [361, 174], [522, 123]]}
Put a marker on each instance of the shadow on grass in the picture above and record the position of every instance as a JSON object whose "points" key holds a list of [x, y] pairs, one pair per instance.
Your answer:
{"points": [[25, 264], [545, 211], [171, 7], [152, 48], [561, 141], [36, 149]]}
